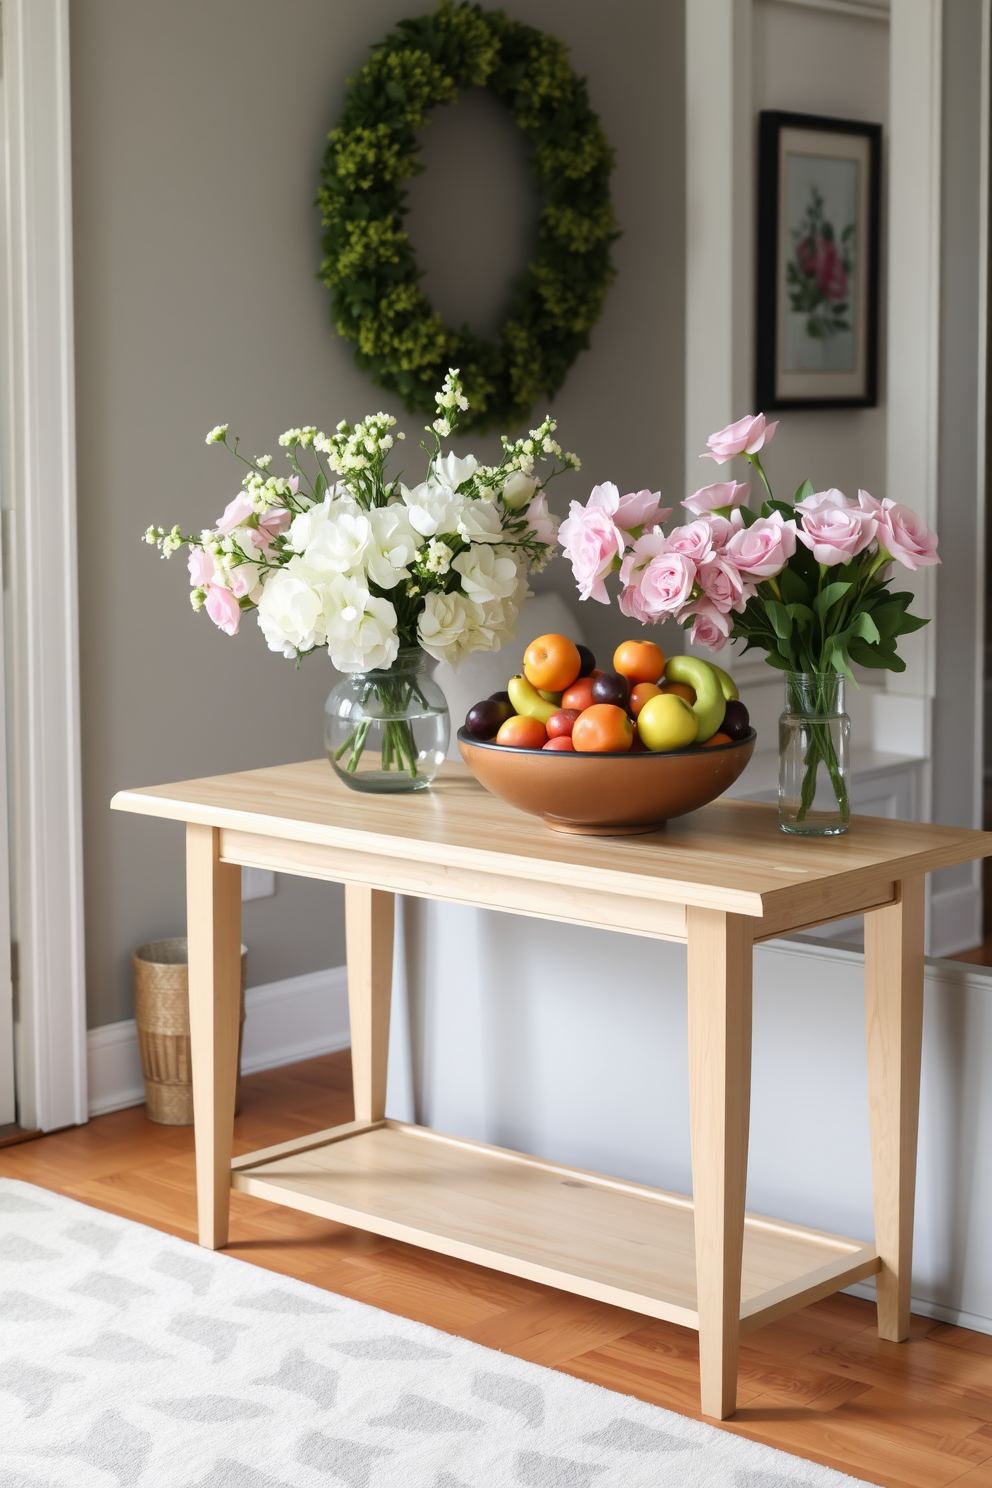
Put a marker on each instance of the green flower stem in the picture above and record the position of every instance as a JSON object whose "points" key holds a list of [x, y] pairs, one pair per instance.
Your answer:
{"points": [[399, 748], [761, 471], [821, 750]]}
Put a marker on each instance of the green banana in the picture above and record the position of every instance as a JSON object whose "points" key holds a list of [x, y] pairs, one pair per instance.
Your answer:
{"points": [[710, 704], [727, 684], [528, 701]]}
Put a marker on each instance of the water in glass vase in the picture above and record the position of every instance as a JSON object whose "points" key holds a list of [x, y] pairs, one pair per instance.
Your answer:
{"points": [[814, 736], [387, 730]]}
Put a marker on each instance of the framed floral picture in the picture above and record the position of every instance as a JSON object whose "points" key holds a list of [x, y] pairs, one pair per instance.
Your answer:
{"points": [[819, 200]]}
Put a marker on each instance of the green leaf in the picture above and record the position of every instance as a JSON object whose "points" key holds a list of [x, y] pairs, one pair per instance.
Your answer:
{"points": [[794, 590], [781, 620], [806, 489], [865, 627], [827, 598]]}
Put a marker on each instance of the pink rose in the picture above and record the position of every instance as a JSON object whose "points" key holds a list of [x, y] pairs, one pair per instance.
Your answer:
{"points": [[710, 626], [243, 579], [904, 535], [763, 549], [592, 541], [721, 582], [201, 568], [831, 497], [274, 523], [641, 509], [833, 528], [223, 609], [824, 264], [746, 437], [722, 529], [235, 512], [712, 498], [660, 588], [695, 540], [540, 520], [646, 547]]}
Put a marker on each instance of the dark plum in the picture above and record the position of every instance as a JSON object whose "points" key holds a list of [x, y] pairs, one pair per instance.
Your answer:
{"points": [[500, 697], [484, 720], [587, 659], [610, 687], [736, 721]]}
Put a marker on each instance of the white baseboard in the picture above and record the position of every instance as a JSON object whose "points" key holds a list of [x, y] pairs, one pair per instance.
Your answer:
{"points": [[955, 920], [286, 1021], [924, 1308]]}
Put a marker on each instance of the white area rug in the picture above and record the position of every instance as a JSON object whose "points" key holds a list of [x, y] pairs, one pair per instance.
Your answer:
{"points": [[131, 1358]]}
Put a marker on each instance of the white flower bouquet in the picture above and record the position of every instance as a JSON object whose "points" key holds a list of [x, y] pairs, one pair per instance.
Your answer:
{"points": [[334, 556]]}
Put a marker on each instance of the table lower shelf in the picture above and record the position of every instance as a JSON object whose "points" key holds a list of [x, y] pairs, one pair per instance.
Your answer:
{"points": [[600, 1237]]}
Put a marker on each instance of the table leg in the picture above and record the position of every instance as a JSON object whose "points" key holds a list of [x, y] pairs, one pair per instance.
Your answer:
{"points": [[894, 1028], [720, 955], [369, 932], [213, 928]]}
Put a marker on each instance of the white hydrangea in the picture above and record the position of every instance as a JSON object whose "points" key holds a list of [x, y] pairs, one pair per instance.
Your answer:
{"points": [[393, 546], [361, 630], [432, 508], [452, 472], [291, 611], [487, 573], [445, 626], [340, 544], [479, 522]]}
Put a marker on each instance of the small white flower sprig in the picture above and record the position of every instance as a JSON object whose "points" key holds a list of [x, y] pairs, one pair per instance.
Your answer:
{"points": [[336, 555]]}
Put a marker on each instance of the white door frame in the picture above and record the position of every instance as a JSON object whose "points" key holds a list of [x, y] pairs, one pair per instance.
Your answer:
{"points": [[39, 497]]}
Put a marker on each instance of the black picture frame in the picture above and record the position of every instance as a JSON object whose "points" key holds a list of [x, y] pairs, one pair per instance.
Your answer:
{"points": [[806, 309]]}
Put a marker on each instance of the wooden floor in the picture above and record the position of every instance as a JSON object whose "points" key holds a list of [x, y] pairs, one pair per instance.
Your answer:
{"points": [[819, 1383]]}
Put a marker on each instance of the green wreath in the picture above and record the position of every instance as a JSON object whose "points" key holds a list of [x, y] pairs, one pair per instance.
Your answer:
{"points": [[370, 267]]}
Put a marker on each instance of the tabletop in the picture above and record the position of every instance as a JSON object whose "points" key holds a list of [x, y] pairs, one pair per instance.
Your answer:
{"points": [[729, 855]]}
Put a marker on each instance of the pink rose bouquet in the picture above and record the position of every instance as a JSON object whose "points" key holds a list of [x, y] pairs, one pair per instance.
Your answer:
{"points": [[806, 581]]}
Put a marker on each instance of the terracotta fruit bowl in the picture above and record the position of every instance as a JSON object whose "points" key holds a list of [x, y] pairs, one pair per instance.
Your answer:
{"points": [[606, 795]]}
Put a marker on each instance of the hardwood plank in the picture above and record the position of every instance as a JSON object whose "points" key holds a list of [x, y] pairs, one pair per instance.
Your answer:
{"points": [[546, 1331], [922, 1371]]}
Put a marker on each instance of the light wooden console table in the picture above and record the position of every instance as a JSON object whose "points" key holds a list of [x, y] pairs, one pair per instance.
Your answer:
{"points": [[720, 880]]}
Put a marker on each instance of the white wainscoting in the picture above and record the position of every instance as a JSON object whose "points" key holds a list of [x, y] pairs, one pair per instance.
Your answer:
{"points": [[571, 1044], [286, 1021]]}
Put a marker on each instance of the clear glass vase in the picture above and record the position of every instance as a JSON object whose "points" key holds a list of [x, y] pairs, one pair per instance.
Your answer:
{"points": [[387, 730], [814, 741]]}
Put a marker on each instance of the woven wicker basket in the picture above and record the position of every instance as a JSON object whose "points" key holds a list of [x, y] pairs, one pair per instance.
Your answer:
{"points": [[161, 1011]]}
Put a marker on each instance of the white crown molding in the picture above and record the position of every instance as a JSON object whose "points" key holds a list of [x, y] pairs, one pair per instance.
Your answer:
{"points": [[865, 10], [40, 492]]}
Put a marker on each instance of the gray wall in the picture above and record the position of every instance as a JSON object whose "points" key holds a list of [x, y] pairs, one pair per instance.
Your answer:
{"points": [[198, 130]]}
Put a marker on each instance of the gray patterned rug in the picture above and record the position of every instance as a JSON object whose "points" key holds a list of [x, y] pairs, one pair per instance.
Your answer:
{"points": [[130, 1358]]}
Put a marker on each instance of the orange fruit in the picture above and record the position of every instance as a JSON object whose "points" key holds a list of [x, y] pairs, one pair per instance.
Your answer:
{"points": [[602, 729], [579, 695], [639, 661], [552, 663], [716, 738], [682, 690], [640, 694], [520, 732]]}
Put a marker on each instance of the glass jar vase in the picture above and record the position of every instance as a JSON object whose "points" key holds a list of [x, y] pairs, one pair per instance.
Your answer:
{"points": [[814, 741], [387, 730]]}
